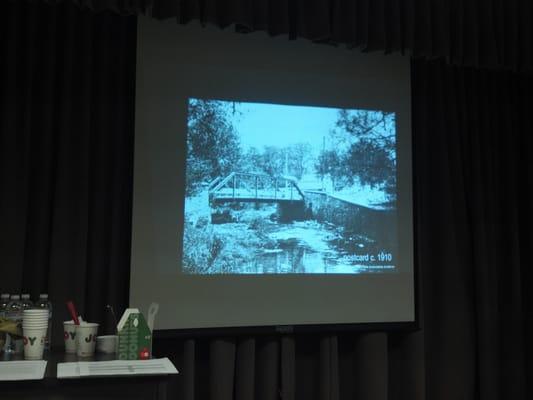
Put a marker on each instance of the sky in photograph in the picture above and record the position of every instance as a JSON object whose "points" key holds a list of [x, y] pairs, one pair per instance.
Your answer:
{"points": [[261, 124]]}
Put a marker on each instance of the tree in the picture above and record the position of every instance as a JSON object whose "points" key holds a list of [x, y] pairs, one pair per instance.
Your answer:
{"points": [[377, 127], [213, 147], [331, 164], [373, 165], [273, 161], [298, 156], [366, 141], [252, 161]]}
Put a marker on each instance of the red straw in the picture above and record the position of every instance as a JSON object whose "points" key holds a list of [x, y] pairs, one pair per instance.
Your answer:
{"points": [[73, 313]]}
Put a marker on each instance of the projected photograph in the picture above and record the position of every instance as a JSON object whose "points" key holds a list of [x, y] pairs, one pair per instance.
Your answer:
{"points": [[288, 189]]}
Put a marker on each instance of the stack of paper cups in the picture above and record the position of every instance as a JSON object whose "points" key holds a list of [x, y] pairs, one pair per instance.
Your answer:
{"points": [[34, 330]]}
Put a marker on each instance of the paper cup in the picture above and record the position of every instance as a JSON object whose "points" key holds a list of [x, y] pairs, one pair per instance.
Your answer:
{"points": [[38, 323], [69, 333], [35, 315], [107, 344], [34, 339], [35, 311], [86, 339]]}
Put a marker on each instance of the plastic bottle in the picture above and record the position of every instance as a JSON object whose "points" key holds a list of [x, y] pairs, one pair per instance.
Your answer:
{"points": [[26, 302], [43, 302], [4, 301], [14, 313]]}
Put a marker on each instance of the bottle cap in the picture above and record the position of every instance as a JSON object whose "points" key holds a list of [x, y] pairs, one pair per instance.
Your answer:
{"points": [[43, 296], [25, 297], [15, 297], [5, 296]]}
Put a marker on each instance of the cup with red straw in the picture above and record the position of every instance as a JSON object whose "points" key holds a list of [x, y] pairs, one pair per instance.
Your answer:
{"points": [[85, 334]]}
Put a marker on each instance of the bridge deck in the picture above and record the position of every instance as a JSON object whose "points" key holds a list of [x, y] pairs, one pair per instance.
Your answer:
{"points": [[254, 200], [282, 194]]}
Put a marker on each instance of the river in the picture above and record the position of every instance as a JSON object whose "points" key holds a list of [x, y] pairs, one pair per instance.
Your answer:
{"points": [[309, 247]]}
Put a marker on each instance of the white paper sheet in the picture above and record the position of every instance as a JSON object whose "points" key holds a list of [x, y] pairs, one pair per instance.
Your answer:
{"points": [[22, 370], [85, 369]]}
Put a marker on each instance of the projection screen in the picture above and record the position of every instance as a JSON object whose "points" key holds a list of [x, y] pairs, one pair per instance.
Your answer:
{"points": [[272, 182]]}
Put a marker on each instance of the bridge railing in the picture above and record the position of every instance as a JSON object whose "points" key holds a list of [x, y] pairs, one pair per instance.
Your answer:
{"points": [[249, 186]]}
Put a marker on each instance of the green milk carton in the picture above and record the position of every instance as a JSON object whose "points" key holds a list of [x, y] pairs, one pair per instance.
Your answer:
{"points": [[134, 336]]}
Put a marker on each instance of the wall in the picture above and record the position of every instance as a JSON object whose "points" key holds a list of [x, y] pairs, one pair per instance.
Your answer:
{"points": [[354, 218]]}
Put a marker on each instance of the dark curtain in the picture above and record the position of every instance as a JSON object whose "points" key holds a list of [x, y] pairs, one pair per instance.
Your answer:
{"points": [[472, 137], [66, 131], [487, 33], [67, 81]]}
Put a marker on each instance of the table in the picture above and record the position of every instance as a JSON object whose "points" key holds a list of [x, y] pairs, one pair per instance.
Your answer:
{"points": [[138, 387]]}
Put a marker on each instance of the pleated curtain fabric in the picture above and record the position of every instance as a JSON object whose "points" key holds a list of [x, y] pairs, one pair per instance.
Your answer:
{"points": [[488, 33], [472, 138], [67, 82], [67, 78]]}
